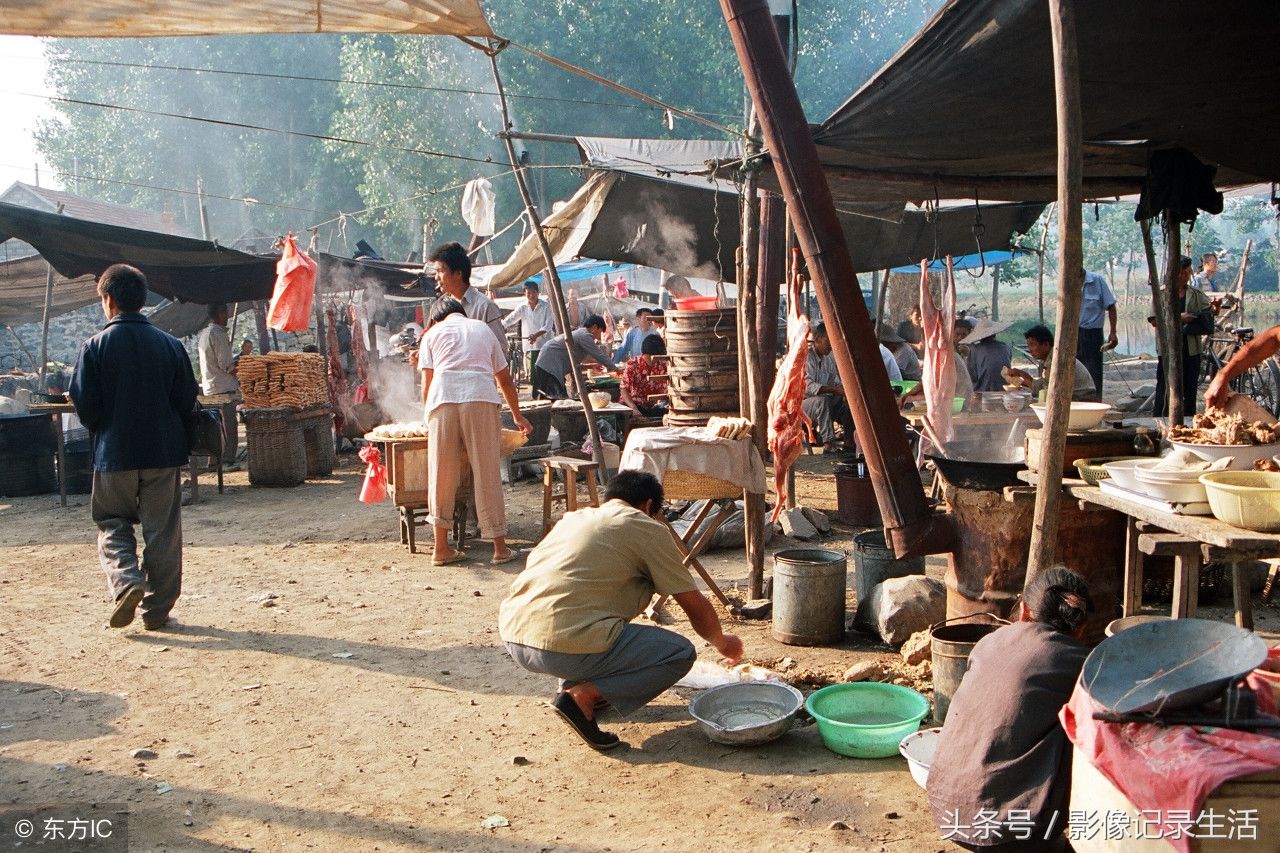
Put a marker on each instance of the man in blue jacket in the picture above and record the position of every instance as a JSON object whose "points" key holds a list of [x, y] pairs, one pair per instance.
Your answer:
{"points": [[133, 390]]}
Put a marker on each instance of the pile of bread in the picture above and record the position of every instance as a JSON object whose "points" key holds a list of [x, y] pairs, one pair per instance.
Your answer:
{"points": [[290, 379], [729, 427]]}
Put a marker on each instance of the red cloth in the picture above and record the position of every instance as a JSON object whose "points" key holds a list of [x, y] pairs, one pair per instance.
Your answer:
{"points": [[1167, 769], [637, 379]]}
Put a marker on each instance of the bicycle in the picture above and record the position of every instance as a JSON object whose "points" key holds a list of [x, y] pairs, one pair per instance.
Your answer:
{"points": [[1261, 382]]}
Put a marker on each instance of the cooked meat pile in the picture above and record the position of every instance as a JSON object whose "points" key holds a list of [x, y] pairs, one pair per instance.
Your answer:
{"points": [[1217, 427]]}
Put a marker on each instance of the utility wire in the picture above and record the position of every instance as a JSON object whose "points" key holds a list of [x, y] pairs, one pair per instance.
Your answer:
{"points": [[376, 83], [425, 152]]}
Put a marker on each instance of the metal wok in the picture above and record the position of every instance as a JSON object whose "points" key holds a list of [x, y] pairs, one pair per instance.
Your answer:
{"points": [[979, 465], [1166, 666]]}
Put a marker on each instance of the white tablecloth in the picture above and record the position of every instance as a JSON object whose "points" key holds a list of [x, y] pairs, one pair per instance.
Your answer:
{"points": [[661, 449]]}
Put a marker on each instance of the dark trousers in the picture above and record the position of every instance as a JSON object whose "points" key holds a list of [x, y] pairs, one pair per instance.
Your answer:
{"points": [[1190, 381], [1089, 352], [546, 386]]}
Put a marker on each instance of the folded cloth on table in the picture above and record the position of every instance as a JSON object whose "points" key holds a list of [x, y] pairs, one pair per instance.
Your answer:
{"points": [[661, 449], [1168, 770]]}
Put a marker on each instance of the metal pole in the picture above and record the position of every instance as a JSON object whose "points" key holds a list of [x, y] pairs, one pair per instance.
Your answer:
{"points": [[910, 523], [1066, 78], [553, 277]]}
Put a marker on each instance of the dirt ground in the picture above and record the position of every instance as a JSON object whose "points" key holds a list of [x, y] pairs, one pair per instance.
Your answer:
{"points": [[369, 705]]}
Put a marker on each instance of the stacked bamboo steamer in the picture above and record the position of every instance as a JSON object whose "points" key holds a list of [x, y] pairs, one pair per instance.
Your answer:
{"points": [[702, 366], [296, 380]]}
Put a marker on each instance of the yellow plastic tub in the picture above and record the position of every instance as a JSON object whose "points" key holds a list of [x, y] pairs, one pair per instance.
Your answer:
{"points": [[1248, 499]]}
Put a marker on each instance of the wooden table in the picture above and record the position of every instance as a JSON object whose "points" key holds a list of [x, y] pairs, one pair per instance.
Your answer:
{"points": [[56, 411], [1217, 540]]}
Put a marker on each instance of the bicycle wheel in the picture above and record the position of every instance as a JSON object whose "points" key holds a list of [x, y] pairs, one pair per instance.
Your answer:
{"points": [[1261, 384], [1210, 364]]}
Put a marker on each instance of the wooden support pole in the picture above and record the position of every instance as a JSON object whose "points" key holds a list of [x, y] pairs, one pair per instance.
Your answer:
{"points": [[1157, 301], [751, 393], [772, 271], [44, 326], [910, 524], [1173, 322], [1066, 79], [1044, 241], [553, 277]]}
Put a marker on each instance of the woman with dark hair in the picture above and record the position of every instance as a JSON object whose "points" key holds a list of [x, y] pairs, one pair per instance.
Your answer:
{"points": [[460, 361], [640, 388], [1001, 777]]}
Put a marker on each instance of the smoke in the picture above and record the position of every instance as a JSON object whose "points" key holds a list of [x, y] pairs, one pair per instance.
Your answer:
{"points": [[657, 236]]}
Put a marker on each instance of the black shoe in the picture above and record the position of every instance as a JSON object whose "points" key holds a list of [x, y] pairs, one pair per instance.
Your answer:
{"points": [[586, 729], [156, 623], [127, 605]]}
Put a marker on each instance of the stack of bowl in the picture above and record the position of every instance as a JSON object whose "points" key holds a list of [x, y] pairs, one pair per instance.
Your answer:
{"points": [[1177, 486]]}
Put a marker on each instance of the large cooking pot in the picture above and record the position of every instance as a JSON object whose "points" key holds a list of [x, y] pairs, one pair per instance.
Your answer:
{"points": [[979, 465]]}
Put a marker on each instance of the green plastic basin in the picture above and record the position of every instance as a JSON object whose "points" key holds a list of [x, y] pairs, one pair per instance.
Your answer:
{"points": [[866, 719]]}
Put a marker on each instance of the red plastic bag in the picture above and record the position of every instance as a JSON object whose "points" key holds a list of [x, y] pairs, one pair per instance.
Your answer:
{"points": [[290, 309], [374, 489]]}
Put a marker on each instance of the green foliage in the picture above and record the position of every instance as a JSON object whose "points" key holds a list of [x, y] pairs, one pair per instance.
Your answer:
{"points": [[676, 51]]}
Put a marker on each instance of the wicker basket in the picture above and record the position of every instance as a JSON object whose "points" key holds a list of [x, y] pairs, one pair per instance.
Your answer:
{"points": [[695, 486], [277, 449], [317, 438]]}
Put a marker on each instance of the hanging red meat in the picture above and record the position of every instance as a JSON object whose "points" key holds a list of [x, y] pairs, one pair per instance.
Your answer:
{"points": [[787, 420], [939, 374], [338, 396], [361, 356]]}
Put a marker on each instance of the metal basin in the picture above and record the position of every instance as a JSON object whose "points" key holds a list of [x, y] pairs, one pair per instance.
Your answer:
{"points": [[746, 713], [1169, 665]]}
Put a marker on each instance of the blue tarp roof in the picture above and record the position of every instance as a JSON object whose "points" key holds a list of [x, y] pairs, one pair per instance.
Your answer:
{"points": [[966, 262], [585, 268]]}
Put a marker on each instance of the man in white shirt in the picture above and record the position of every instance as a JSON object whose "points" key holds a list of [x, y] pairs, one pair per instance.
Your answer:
{"points": [[214, 348], [451, 266], [536, 325], [824, 400]]}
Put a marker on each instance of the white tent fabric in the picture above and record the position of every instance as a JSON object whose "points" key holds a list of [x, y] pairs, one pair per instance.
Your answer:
{"points": [[132, 19]]}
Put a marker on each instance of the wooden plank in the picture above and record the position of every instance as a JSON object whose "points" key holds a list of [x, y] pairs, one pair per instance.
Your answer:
{"points": [[1132, 569], [1186, 585], [1167, 544], [1240, 592]]}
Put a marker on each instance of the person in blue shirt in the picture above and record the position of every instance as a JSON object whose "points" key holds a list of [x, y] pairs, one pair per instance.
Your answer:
{"points": [[644, 327], [134, 390], [1096, 302]]}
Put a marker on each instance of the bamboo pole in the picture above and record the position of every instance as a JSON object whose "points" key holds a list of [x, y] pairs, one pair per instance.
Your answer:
{"points": [[1066, 79], [553, 277], [44, 325], [1173, 322], [1157, 302]]}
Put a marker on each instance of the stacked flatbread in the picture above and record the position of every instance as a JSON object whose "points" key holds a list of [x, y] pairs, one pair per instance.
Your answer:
{"points": [[290, 379]]}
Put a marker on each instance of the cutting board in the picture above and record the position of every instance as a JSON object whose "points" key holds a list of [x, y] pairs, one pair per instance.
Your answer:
{"points": [[1248, 408]]}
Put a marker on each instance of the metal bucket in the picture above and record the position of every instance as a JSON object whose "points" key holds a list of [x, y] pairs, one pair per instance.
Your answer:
{"points": [[950, 646], [808, 596], [874, 562], [855, 497]]}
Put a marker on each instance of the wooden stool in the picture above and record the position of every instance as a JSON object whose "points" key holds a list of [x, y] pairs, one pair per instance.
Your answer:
{"points": [[570, 468]]}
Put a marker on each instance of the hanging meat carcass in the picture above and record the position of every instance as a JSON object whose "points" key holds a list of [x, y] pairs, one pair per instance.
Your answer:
{"points": [[939, 374], [787, 420]]}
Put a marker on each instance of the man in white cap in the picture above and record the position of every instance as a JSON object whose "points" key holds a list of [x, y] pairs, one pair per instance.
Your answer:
{"points": [[988, 356]]}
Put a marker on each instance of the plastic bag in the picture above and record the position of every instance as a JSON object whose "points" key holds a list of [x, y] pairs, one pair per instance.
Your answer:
{"points": [[374, 489], [290, 309], [479, 207]]}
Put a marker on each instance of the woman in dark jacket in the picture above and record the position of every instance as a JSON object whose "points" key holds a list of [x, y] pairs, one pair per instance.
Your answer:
{"points": [[1001, 777]]}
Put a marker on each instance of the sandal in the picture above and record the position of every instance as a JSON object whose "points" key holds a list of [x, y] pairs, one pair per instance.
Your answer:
{"points": [[455, 557], [513, 554]]}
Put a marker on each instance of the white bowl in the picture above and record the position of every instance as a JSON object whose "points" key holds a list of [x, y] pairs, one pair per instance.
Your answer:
{"points": [[1242, 455], [1179, 487], [919, 748], [1083, 417], [1121, 471]]}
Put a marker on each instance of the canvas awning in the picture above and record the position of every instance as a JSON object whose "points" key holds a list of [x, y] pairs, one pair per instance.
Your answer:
{"points": [[646, 204], [22, 287], [968, 104], [178, 268], [132, 19]]}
